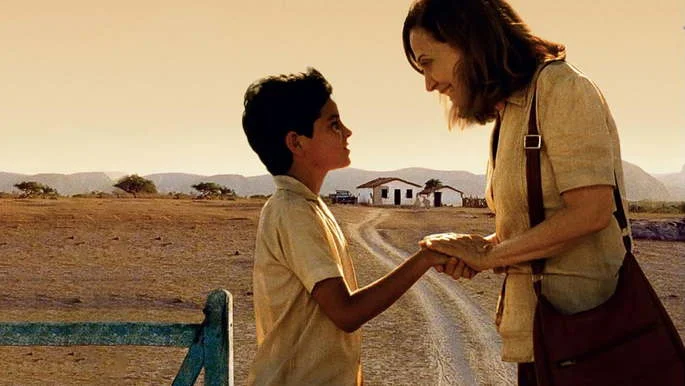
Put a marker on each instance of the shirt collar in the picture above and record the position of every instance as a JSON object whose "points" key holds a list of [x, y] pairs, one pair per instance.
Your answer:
{"points": [[293, 185], [523, 96]]}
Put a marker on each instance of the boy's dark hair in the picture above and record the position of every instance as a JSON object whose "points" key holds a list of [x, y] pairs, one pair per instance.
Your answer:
{"points": [[276, 105], [500, 53]]}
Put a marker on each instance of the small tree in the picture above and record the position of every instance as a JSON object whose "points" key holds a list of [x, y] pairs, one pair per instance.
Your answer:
{"points": [[135, 184], [33, 188], [207, 189], [227, 192], [212, 189], [433, 183]]}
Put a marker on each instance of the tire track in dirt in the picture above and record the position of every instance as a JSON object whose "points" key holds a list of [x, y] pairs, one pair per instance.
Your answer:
{"points": [[465, 342]]}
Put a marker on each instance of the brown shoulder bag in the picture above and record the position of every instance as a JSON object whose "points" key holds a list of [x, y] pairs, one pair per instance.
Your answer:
{"points": [[627, 340]]}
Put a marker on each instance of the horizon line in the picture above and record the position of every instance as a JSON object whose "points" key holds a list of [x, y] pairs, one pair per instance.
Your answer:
{"points": [[110, 173]]}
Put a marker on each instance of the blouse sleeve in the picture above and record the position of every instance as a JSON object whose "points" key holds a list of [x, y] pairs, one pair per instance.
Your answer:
{"points": [[572, 121]]}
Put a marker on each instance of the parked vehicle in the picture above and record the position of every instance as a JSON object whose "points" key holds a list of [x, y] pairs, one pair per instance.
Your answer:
{"points": [[342, 197]]}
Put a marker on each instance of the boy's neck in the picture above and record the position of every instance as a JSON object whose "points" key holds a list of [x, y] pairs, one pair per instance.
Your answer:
{"points": [[311, 178]]}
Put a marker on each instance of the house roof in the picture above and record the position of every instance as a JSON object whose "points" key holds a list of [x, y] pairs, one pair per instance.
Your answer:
{"points": [[382, 181], [431, 190]]}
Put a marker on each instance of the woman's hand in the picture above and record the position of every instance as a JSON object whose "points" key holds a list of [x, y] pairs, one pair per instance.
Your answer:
{"points": [[470, 250]]}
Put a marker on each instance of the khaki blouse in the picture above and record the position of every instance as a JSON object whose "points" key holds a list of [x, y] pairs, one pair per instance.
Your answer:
{"points": [[580, 148]]}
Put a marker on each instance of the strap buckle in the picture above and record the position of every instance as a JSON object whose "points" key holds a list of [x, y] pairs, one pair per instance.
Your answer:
{"points": [[532, 142]]}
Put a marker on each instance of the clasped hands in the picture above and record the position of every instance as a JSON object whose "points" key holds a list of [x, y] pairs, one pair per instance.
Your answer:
{"points": [[467, 253]]}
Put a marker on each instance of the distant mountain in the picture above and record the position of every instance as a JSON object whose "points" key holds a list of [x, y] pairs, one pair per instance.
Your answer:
{"points": [[675, 183], [66, 184], [243, 186], [639, 184], [115, 175], [642, 186], [347, 179], [7, 181], [175, 182]]}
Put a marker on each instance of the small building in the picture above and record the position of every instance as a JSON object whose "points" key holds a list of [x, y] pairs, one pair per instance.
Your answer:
{"points": [[388, 191], [443, 195]]}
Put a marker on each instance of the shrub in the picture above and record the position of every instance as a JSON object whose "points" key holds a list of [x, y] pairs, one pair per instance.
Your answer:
{"points": [[135, 184], [664, 207], [34, 189]]}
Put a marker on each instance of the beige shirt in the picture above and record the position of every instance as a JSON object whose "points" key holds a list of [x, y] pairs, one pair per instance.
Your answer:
{"points": [[299, 243], [580, 147]]}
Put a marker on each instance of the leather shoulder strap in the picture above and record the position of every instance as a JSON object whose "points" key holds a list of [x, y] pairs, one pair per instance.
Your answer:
{"points": [[536, 210]]}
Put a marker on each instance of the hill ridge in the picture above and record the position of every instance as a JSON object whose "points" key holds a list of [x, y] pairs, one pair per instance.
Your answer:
{"points": [[640, 185]]}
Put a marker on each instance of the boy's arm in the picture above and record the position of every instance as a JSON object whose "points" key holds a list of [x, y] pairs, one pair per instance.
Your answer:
{"points": [[349, 311]]}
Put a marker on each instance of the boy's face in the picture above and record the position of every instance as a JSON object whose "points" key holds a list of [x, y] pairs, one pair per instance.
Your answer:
{"points": [[327, 149]]}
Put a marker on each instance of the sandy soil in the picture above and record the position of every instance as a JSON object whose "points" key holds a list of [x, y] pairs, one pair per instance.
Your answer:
{"points": [[156, 260]]}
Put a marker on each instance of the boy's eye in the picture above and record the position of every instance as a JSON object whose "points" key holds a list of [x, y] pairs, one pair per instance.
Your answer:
{"points": [[335, 126]]}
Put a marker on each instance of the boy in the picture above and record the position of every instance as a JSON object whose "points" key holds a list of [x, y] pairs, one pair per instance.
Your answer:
{"points": [[308, 307]]}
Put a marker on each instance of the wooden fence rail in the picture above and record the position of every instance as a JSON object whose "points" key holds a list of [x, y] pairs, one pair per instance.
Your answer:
{"points": [[474, 202], [210, 343]]}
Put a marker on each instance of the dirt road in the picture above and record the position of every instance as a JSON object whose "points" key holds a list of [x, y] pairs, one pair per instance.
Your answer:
{"points": [[463, 340]]}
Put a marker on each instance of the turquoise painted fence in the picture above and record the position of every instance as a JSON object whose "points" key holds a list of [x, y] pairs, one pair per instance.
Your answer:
{"points": [[210, 343]]}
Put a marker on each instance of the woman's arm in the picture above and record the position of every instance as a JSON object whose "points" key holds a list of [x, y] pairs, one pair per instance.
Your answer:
{"points": [[586, 210]]}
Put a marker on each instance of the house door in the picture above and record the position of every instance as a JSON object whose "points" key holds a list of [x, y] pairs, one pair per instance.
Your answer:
{"points": [[437, 199], [398, 196]]}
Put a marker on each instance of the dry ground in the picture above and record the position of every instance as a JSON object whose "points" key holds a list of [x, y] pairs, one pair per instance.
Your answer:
{"points": [[156, 260]]}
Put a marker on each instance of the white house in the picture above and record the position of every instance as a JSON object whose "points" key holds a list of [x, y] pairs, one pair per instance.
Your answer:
{"points": [[443, 195], [388, 191]]}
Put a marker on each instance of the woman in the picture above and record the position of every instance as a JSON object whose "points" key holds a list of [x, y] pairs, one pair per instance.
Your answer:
{"points": [[481, 55]]}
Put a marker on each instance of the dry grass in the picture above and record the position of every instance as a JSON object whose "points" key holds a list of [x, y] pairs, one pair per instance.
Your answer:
{"points": [[137, 260], [156, 260]]}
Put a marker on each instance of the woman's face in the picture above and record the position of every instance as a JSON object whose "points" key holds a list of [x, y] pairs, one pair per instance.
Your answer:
{"points": [[437, 60]]}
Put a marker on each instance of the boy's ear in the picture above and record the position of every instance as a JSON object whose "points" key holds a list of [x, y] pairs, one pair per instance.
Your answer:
{"points": [[292, 141]]}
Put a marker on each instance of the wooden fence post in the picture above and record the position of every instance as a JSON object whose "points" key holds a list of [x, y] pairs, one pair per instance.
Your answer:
{"points": [[211, 343], [218, 339]]}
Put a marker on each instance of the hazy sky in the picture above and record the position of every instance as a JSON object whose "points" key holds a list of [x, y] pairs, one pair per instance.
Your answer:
{"points": [[156, 86]]}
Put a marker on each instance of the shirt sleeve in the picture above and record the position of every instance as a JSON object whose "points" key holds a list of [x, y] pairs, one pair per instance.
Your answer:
{"points": [[572, 119], [308, 246]]}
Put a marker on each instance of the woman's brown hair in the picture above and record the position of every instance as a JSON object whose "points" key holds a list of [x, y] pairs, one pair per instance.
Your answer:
{"points": [[500, 54]]}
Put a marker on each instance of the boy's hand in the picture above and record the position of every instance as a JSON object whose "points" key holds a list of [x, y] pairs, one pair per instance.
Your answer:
{"points": [[433, 258], [449, 265], [457, 268]]}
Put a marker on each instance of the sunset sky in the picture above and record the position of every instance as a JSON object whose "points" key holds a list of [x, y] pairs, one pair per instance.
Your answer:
{"points": [[156, 86]]}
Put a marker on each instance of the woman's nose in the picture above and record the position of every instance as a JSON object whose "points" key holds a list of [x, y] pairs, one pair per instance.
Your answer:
{"points": [[430, 82]]}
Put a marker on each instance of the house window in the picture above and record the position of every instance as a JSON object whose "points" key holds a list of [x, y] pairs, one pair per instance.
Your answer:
{"points": [[409, 193], [384, 193]]}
